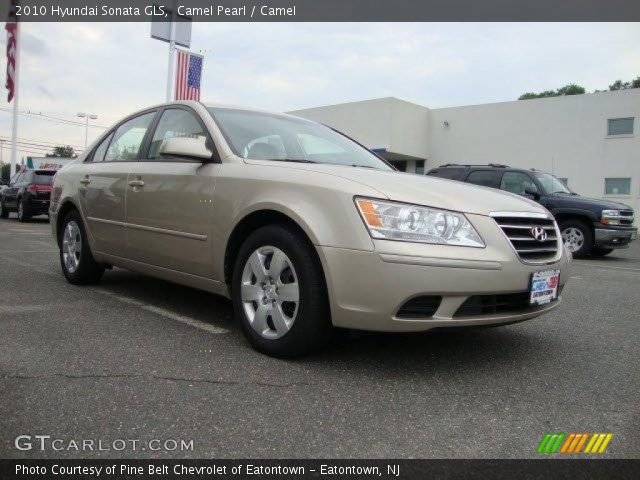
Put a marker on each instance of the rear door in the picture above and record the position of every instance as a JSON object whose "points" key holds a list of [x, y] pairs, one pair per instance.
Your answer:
{"points": [[103, 187], [170, 200]]}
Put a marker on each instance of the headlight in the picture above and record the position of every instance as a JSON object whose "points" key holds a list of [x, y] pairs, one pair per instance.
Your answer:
{"points": [[610, 217], [410, 223]]}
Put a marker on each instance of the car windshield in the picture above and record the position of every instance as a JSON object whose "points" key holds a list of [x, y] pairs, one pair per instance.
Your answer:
{"points": [[265, 136], [551, 184]]}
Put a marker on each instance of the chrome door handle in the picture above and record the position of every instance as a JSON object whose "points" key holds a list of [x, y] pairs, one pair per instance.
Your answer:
{"points": [[85, 181], [136, 183]]}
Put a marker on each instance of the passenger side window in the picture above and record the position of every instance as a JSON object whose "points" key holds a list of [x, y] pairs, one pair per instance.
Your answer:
{"points": [[128, 138], [177, 123], [98, 155], [517, 182], [484, 178]]}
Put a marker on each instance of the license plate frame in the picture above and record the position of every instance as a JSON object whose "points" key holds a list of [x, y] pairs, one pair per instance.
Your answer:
{"points": [[543, 287]]}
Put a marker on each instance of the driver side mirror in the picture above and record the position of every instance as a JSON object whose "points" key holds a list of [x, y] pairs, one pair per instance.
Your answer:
{"points": [[532, 193], [186, 147]]}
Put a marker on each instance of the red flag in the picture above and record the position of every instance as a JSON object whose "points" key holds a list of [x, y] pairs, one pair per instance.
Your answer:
{"points": [[188, 75], [12, 45]]}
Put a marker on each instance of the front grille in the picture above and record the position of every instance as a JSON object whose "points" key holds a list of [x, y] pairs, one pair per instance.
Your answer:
{"points": [[520, 232], [627, 217], [420, 307]]}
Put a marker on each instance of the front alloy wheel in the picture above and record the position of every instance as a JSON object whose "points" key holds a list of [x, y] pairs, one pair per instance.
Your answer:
{"points": [[270, 293], [573, 239], [279, 293], [577, 237]]}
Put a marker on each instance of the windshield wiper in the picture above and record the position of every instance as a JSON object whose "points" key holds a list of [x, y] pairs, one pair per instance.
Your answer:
{"points": [[363, 166], [294, 160]]}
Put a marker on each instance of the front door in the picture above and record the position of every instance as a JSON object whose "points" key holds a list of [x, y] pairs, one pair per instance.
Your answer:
{"points": [[170, 201], [103, 188]]}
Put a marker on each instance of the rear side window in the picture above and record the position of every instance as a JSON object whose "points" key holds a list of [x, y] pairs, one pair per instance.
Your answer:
{"points": [[128, 138], [484, 178], [448, 173], [44, 178], [98, 156]]}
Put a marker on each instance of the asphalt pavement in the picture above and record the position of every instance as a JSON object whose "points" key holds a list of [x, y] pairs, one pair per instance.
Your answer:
{"points": [[140, 359]]}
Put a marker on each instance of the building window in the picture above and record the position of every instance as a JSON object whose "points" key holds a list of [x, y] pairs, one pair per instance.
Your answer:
{"points": [[420, 167], [620, 126], [564, 180], [617, 186]]}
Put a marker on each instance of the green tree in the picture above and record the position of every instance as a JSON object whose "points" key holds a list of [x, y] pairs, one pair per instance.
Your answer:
{"points": [[65, 151], [571, 89], [6, 169], [620, 85]]}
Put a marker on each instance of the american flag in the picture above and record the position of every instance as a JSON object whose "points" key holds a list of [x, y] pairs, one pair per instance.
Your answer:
{"points": [[12, 45], [188, 75]]}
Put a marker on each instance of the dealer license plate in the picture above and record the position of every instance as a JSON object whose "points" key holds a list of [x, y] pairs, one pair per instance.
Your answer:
{"points": [[544, 287]]}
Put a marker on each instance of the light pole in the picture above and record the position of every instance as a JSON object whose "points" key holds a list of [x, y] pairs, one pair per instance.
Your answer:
{"points": [[87, 116]]}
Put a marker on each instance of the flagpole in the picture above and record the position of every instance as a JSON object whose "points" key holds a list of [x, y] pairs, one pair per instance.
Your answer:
{"points": [[16, 90], [172, 48]]}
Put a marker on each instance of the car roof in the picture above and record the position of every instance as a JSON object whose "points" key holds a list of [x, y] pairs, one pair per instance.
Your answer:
{"points": [[497, 166]]}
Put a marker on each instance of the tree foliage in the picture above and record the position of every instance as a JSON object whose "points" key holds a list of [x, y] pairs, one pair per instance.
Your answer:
{"points": [[571, 89], [64, 151], [574, 89], [6, 169]]}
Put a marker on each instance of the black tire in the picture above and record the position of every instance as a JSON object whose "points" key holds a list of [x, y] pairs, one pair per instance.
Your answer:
{"points": [[312, 324], [585, 230], [23, 211], [89, 271], [601, 252], [4, 213]]}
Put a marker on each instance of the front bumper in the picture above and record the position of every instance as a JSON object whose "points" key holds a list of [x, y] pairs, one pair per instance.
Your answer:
{"points": [[37, 205], [614, 237], [368, 288]]}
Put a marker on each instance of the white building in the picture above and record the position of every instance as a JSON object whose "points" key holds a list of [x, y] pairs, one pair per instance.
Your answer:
{"points": [[590, 140]]}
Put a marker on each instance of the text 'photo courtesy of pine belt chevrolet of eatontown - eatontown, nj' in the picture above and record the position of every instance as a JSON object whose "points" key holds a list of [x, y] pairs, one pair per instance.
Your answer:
{"points": [[301, 239]]}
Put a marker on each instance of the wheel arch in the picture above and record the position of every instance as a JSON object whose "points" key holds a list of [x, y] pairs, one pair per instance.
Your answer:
{"points": [[253, 221], [585, 217]]}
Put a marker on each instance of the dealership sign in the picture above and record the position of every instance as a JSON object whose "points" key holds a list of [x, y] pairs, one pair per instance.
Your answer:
{"points": [[47, 163]]}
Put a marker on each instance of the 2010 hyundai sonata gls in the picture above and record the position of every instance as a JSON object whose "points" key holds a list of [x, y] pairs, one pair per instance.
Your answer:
{"points": [[301, 227]]}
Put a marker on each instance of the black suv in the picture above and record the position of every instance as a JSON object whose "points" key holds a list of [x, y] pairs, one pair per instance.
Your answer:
{"points": [[589, 226], [28, 194]]}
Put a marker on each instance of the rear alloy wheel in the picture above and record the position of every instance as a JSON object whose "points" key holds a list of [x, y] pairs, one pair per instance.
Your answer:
{"points": [[577, 237], [76, 259], [279, 294]]}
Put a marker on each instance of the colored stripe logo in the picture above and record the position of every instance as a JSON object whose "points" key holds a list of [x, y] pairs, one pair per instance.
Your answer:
{"points": [[572, 443]]}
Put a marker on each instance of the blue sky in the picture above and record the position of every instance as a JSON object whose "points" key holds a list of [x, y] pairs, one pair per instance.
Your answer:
{"points": [[113, 69]]}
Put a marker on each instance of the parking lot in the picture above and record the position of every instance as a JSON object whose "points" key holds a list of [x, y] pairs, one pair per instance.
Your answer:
{"points": [[139, 358]]}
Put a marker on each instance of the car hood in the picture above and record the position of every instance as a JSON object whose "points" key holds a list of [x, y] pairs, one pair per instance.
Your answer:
{"points": [[591, 203], [428, 191]]}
